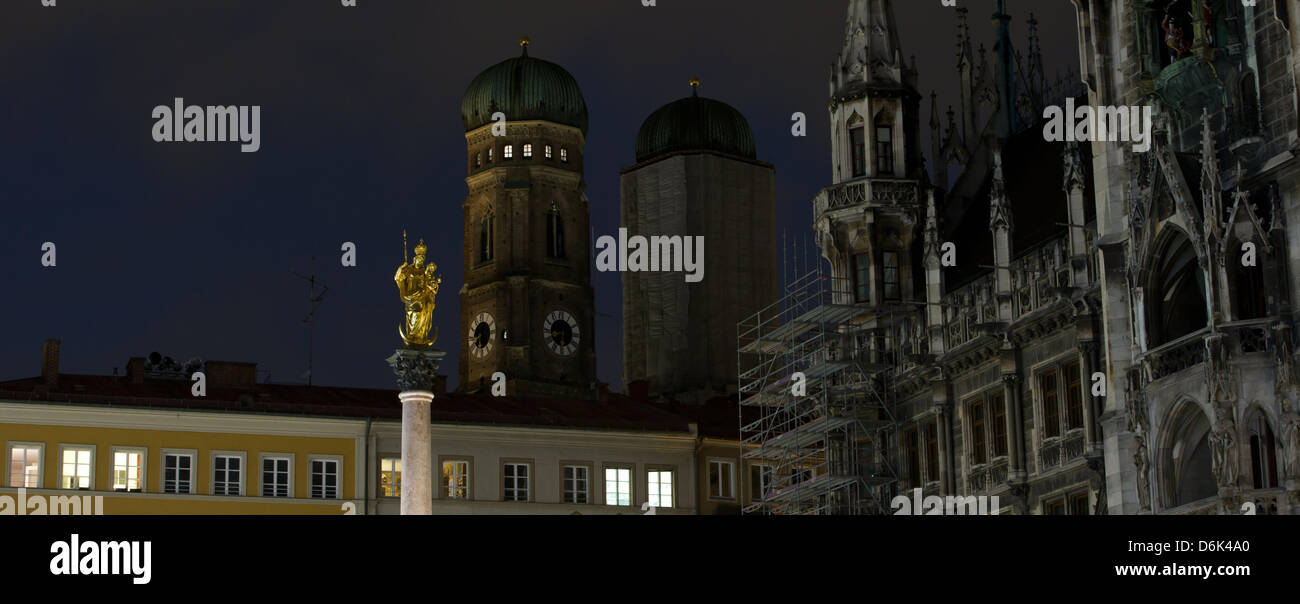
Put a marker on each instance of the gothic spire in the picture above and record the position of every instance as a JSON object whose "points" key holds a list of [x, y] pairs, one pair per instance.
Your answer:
{"points": [[1004, 62], [871, 52], [1211, 195], [999, 205]]}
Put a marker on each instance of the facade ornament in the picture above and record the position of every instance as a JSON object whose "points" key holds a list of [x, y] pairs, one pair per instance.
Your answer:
{"points": [[999, 205], [1143, 475], [1223, 445], [1290, 422]]}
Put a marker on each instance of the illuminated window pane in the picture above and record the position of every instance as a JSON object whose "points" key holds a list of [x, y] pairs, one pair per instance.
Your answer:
{"points": [[390, 477], [618, 486], [455, 479], [660, 485], [128, 470]]}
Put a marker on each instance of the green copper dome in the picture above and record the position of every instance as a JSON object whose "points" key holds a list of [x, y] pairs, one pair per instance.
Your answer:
{"points": [[695, 123], [524, 88]]}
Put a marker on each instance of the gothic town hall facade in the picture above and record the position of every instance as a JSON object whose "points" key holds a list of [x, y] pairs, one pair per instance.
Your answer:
{"points": [[1077, 328]]}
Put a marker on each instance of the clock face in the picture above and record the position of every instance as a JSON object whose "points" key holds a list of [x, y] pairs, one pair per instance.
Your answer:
{"points": [[482, 332], [561, 333]]}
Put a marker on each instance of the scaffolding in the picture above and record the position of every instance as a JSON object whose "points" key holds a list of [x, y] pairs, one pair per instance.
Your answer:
{"points": [[815, 414]]}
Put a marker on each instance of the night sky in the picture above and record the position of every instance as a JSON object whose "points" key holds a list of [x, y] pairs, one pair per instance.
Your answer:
{"points": [[187, 248]]}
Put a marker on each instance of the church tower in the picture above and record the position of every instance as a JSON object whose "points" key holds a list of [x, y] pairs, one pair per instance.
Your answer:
{"points": [[697, 174], [868, 219], [526, 306]]}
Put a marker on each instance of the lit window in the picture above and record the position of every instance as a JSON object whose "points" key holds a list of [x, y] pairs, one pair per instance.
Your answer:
{"points": [[508, 152], [722, 479], [489, 154], [25, 466], [564, 155], [548, 152], [659, 484], [478, 160], [226, 474], [77, 467], [275, 477], [528, 149], [390, 477], [516, 481], [128, 470], [455, 479], [618, 486], [324, 479], [575, 484], [178, 471]]}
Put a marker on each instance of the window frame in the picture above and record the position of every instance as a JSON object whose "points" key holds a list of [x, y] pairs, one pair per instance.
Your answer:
{"points": [[631, 483], [858, 150], [77, 447], [442, 487], [290, 477], [1075, 406], [884, 150], [143, 471], [731, 478], [765, 475], [671, 470], [528, 150], [398, 471], [998, 415], [564, 487], [555, 234], [885, 281], [242, 456], [861, 277], [193, 454], [979, 436], [564, 155], [507, 152], [913, 451], [9, 463], [548, 152], [528, 479], [339, 472], [930, 429], [1051, 415]]}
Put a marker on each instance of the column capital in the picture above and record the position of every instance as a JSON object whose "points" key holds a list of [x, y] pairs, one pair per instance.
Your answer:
{"points": [[417, 370]]}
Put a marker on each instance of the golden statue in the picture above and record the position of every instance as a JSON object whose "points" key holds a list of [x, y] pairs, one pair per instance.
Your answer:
{"points": [[417, 286]]}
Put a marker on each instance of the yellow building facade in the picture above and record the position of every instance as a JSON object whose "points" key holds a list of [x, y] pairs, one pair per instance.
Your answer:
{"points": [[178, 461]]}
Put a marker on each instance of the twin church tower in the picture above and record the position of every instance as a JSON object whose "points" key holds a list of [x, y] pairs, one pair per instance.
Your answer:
{"points": [[527, 306]]}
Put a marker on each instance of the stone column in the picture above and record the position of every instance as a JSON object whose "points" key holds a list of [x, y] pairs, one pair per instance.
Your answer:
{"points": [[1087, 352], [416, 371], [1015, 427]]}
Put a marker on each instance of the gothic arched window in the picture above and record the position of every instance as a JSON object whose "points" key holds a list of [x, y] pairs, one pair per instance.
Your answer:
{"points": [[1250, 299], [884, 145], [1185, 461], [554, 233], [486, 228], [1263, 453], [1177, 299]]}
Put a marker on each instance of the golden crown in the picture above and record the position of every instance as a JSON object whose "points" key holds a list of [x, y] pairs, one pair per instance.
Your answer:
{"points": [[420, 248]]}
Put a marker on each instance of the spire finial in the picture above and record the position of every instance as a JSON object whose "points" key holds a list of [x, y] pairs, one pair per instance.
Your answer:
{"points": [[695, 86], [523, 43]]}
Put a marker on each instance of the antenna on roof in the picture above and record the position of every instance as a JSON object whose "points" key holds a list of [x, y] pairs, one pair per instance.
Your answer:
{"points": [[313, 300]]}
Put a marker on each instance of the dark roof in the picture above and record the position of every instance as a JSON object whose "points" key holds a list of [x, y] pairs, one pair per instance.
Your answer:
{"points": [[695, 123], [1033, 171], [524, 88], [618, 413], [718, 417]]}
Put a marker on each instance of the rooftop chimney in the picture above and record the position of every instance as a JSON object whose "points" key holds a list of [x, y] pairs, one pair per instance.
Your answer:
{"points": [[135, 370], [50, 362]]}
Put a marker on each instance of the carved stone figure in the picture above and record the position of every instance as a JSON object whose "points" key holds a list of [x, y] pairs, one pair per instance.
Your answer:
{"points": [[1143, 476], [1223, 441], [1291, 439]]}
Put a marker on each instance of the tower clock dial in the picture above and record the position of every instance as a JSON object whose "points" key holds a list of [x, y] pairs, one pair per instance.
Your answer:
{"points": [[561, 333], [482, 332]]}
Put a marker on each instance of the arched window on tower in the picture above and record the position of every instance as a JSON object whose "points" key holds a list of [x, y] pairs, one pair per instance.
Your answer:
{"points": [[1263, 453], [508, 152], [485, 233], [554, 233], [1177, 299], [884, 145], [858, 151]]}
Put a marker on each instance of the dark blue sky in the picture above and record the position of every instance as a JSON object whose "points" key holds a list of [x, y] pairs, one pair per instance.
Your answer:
{"points": [[186, 248]]}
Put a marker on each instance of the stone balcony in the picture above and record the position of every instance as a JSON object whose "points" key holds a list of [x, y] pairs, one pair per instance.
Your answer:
{"points": [[875, 192]]}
